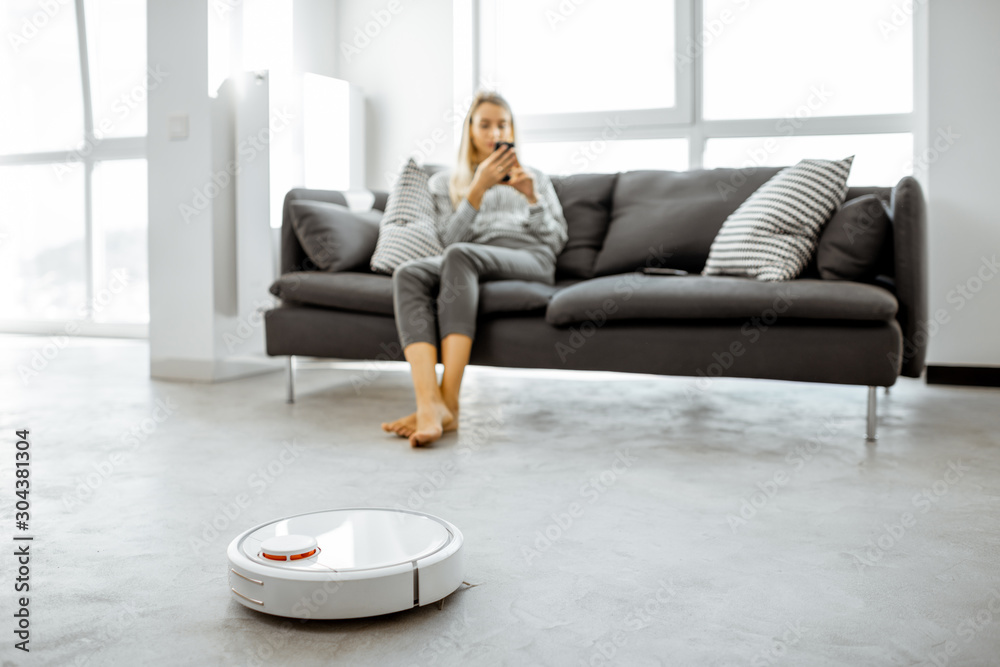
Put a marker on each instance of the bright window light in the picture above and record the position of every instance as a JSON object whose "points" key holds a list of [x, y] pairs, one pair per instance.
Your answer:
{"points": [[599, 156], [837, 57], [41, 102], [41, 242], [119, 88], [592, 56], [880, 159], [121, 281]]}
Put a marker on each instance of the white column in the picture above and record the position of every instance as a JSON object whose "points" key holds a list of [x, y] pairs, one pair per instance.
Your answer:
{"points": [[961, 154]]}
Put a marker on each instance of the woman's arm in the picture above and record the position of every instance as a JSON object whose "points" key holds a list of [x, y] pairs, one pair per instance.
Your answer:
{"points": [[545, 217], [453, 225]]}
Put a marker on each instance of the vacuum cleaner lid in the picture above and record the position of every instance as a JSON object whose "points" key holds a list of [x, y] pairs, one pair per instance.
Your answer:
{"points": [[346, 540]]}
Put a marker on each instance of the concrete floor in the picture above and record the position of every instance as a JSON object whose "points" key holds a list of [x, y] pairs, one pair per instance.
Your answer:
{"points": [[739, 523]]}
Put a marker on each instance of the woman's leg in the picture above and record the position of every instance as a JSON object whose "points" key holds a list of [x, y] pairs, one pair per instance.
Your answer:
{"points": [[432, 413], [455, 351], [466, 264], [413, 286]]}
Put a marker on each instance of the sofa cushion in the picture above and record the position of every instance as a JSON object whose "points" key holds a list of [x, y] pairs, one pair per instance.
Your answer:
{"points": [[669, 218], [334, 237], [408, 230], [586, 205], [773, 234], [372, 293], [640, 296], [852, 242]]}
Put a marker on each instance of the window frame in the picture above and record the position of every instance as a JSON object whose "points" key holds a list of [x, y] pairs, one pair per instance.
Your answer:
{"points": [[686, 121], [99, 150]]}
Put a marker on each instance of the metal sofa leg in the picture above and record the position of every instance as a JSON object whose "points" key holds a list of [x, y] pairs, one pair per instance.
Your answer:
{"points": [[290, 374], [870, 432]]}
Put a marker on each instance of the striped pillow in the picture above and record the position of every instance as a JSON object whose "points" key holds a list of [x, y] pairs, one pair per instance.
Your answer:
{"points": [[774, 233], [408, 229]]}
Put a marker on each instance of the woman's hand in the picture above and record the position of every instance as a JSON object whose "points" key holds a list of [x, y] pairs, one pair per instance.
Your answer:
{"points": [[492, 170], [524, 183]]}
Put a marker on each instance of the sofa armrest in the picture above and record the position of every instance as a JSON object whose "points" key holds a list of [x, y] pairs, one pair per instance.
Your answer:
{"points": [[908, 211], [293, 257]]}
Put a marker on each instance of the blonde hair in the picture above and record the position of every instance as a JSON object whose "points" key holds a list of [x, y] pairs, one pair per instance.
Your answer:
{"points": [[465, 169]]}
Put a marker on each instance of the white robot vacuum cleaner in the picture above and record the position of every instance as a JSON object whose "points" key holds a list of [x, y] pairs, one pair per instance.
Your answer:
{"points": [[346, 563]]}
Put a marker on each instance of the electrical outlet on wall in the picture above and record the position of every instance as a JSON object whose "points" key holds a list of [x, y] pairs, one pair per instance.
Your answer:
{"points": [[177, 126]]}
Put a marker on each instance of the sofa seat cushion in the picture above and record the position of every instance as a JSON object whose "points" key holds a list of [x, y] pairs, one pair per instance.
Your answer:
{"points": [[372, 292], [632, 296]]}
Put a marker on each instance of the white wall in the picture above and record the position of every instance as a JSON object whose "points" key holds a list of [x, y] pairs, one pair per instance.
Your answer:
{"points": [[199, 330], [181, 263], [964, 217], [405, 70]]}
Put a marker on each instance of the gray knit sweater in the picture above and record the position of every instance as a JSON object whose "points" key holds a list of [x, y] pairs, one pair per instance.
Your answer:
{"points": [[503, 212]]}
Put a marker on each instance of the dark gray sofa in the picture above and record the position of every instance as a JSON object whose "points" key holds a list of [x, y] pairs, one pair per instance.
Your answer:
{"points": [[604, 314]]}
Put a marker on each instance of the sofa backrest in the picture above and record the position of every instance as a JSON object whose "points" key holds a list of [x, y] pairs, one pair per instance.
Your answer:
{"points": [[622, 222]]}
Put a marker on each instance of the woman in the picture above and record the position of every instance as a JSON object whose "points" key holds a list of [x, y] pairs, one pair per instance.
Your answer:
{"points": [[492, 230]]}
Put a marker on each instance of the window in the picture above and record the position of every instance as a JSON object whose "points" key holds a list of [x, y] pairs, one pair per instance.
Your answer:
{"points": [[703, 83], [606, 156], [72, 167], [546, 59]]}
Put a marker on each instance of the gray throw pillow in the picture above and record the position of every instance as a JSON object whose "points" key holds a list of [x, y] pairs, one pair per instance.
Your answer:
{"points": [[586, 205], [851, 243], [334, 237], [774, 233], [670, 218], [408, 230]]}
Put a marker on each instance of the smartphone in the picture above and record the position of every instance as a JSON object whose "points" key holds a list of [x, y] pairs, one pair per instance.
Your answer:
{"points": [[496, 147], [659, 271]]}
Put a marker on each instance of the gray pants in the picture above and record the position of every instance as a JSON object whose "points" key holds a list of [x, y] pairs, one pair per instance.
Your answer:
{"points": [[449, 283]]}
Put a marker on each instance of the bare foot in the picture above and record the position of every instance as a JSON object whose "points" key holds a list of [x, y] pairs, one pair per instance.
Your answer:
{"points": [[404, 427], [430, 424]]}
